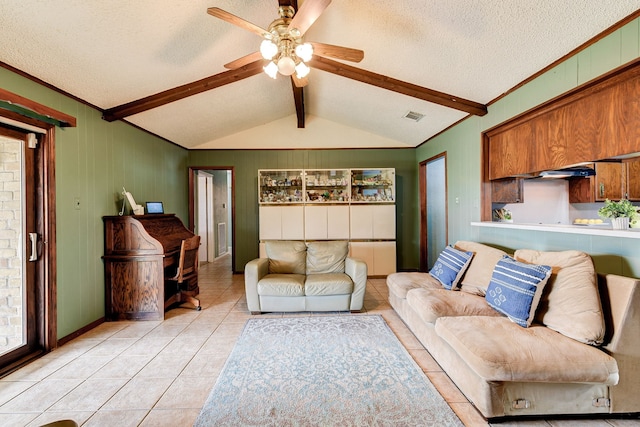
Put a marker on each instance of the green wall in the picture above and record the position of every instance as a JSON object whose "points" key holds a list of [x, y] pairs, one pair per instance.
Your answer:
{"points": [[93, 162], [247, 162], [462, 144]]}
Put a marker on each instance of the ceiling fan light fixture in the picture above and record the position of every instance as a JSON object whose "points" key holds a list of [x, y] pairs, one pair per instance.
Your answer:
{"points": [[286, 65], [268, 49], [302, 70], [271, 69], [304, 51]]}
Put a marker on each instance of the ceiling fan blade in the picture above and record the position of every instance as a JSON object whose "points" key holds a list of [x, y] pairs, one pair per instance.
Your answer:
{"points": [[337, 52], [389, 83], [181, 92], [235, 20], [299, 82], [241, 62], [307, 15]]}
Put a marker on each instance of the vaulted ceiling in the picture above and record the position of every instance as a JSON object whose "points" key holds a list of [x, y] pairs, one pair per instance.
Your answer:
{"points": [[165, 60]]}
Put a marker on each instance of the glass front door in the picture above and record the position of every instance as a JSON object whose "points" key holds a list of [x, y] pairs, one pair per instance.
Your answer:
{"points": [[19, 245]]}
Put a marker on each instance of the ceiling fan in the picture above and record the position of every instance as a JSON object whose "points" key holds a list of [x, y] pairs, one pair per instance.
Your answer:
{"points": [[283, 43], [284, 51]]}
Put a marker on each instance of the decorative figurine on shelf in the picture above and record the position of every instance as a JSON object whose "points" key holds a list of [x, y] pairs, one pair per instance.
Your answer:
{"points": [[135, 208]]}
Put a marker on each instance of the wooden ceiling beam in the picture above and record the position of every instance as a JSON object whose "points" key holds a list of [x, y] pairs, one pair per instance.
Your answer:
{"points": [[298, 98], [181, 92], [398, 86], [298, 92]]}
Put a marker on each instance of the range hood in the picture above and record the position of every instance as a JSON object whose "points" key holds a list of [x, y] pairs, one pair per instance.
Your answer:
{"points": [[578, 171]]}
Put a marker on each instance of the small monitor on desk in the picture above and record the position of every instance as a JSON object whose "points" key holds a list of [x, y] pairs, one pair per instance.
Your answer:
{"points": [[155, 208]]}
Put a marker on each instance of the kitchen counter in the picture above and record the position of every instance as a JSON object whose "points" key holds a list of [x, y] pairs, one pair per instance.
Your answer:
{"points": [[594, 230]]}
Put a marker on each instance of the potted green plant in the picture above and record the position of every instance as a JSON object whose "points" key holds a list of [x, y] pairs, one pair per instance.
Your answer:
{"points": [[634, 221], [502, 215], [619, 212]]}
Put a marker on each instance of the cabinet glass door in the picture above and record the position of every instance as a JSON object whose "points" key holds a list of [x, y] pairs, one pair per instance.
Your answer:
{"points": [[280, 186], [373, 185], [327, 185]]}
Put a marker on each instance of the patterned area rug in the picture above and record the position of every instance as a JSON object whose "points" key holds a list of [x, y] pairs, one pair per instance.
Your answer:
{"points": [[323, 371]]}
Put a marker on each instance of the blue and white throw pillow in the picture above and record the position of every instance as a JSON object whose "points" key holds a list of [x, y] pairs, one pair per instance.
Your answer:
{"points": [[515, 289], [450, 266]]}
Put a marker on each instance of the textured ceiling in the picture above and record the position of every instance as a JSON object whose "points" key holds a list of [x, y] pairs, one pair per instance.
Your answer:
{"points": [[112, 52]]}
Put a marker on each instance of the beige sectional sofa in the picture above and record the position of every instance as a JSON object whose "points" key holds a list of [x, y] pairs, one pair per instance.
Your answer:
{"points": [[579, 355], [299, 276]]}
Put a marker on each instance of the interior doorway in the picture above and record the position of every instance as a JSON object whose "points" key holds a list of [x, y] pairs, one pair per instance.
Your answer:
{"points": [[433, 209], [212, 211]]}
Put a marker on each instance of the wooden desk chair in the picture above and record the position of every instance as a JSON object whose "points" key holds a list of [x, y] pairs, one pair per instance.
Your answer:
{"points": [[187, 270], [61, 423]]}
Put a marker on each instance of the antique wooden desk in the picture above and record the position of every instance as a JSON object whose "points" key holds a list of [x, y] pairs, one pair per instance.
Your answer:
{"points": [[139, 250]]}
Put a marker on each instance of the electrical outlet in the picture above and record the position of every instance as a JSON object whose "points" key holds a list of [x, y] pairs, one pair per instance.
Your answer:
{"points": [[457, 200], [76, 203]]}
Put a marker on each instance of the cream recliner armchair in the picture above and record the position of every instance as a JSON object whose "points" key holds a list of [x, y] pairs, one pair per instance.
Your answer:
{"points": [[299, 276]]}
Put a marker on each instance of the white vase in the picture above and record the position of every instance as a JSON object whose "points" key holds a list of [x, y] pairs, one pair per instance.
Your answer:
{"points": [[621, 223]]}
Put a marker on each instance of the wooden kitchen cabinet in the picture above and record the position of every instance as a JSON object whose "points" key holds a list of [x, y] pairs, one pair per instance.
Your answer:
{"points": [[609, 182], [511, 152], [595, 121], [509, 190], [632, 169]]}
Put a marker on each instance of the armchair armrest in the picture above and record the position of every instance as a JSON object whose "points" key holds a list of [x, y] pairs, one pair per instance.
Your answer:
{"points": [[357, 270], [254, 270]]}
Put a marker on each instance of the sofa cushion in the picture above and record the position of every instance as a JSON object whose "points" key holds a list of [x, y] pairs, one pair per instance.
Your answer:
{"points": [[515, 289], [499, 350], [570, 303], [283, 285], [400, 283], [286, 257], [328, 284], [477, 277], [450, 266], [431, 304], [326, 257]]}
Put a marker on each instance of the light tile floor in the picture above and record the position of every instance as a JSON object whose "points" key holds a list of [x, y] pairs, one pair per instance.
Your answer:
{"points": [[159, 373]]}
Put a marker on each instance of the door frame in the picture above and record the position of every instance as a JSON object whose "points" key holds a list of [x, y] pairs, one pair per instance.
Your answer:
{"points": [[45, 219], [422, 174], [192, 208]]}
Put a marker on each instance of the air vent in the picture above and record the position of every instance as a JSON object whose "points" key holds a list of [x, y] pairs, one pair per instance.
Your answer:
{"points": [[412, 115]]}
